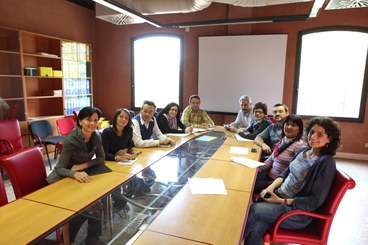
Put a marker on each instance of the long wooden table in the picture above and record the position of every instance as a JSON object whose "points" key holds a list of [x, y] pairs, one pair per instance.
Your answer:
{"points": [[187, 219], [23, 221], [211, 219]]}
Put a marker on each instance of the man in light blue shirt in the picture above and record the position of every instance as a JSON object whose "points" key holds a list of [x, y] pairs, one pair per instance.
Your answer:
{"points": [[244, 117]]}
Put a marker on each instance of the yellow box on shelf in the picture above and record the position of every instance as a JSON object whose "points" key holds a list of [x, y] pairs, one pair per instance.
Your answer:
{"points": [[57, 73], [45, 71]]}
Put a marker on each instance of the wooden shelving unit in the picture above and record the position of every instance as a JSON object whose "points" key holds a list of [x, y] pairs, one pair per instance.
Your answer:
{"points": [[11, 86]]}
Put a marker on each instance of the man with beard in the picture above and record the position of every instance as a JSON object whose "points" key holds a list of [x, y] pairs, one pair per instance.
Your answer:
{"points": [[269, 138], [244, 117]]}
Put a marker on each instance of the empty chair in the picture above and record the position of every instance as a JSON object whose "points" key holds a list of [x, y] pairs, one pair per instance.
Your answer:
{"points": [[76, 112], [27, 174], [131, 113], [10, 131], [317, 232], [42, 132], [65, 125], [26, 170]]}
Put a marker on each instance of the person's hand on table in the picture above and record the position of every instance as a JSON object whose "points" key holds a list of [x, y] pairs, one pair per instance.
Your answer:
{"points": [[125, 157], [121, 152], [266, 148], [82, 177], [188, 129]]}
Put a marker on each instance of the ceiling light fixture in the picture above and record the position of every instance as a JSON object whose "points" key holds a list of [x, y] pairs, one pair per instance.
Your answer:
{"points": [[127, 11], [317, 5]]}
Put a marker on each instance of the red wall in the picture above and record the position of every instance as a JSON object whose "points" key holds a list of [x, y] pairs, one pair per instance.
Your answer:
{"points": [[112, 70]]}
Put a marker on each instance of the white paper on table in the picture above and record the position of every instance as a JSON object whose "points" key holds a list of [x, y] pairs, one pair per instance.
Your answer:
{"points": [[239, 150], [246, 162], [129, 162], [239, 138], [178, 135], [207, 186], [196, 130]]}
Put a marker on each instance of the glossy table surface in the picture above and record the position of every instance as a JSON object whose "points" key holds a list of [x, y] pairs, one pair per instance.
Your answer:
{"points": [[23, 221], [71, 195], [183, 218]]}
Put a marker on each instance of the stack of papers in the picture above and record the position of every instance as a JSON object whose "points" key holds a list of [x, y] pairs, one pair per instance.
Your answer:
{"points": [[246, 162], [239, 138], [196, 130], [207, 186]]}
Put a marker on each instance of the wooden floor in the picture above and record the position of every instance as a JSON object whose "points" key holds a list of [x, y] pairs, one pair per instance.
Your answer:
{"points": [[350, 225]]}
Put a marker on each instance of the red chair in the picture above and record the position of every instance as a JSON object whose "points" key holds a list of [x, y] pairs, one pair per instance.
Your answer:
{"points": [[3, 196], [65, 125], [26, 170], [10, 131], [27, 174], [317, 232]]}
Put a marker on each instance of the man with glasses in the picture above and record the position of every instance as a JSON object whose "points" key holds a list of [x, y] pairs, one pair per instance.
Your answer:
{"points": [[245, 115], [195, 117], [269, 138]]}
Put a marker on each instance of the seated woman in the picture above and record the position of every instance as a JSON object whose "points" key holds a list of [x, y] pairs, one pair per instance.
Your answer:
{"points": [[304, 185], [259, 123], [82, 149], [117, 139], [168, 120], [284, 152]]}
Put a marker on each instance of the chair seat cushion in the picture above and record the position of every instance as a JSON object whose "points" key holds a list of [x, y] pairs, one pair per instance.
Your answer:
{"points": [[308, 235], [54, 140]]}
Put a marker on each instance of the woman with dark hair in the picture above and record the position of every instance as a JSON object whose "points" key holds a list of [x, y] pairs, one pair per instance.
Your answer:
{"points": [[284, 152], [79, 147], [168, 120], [82, 149], [260, 122], [117, 139], [304, 185]]}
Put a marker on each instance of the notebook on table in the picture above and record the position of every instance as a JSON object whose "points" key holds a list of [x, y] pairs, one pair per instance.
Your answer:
{"points": [[98, 169]]}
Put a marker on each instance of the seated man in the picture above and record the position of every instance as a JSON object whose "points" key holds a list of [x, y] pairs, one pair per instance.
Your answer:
{"points": [[244, 117], [146, 132], [195, 117], [269, 138]]}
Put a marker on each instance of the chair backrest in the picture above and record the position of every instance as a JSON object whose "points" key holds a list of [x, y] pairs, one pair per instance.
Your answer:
{"points": [[317, 232], [10, 131], [65, 125], [41, 128], [3, 196], [76, 113], [26, 170], [341, 184], [131, 113]]}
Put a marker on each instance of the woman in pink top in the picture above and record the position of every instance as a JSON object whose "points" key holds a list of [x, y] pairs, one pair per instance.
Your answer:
{"points": [[284, 152]]}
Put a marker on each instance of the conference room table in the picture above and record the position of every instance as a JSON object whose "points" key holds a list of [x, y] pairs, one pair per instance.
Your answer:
{"points": [[175, 215]]}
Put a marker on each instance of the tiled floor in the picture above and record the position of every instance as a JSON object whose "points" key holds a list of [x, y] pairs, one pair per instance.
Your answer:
{"points": [[350, 225]]}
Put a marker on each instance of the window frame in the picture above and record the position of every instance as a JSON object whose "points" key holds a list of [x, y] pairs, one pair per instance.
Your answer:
{"points": [[181, 65], [363, 100]]}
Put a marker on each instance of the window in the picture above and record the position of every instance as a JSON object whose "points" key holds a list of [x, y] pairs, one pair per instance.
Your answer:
{"points": [[157, 69], [332, 76]]}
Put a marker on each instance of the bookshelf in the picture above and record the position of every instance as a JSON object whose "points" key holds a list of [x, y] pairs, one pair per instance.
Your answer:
{"points": [[77, 80], [11, 86]]}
